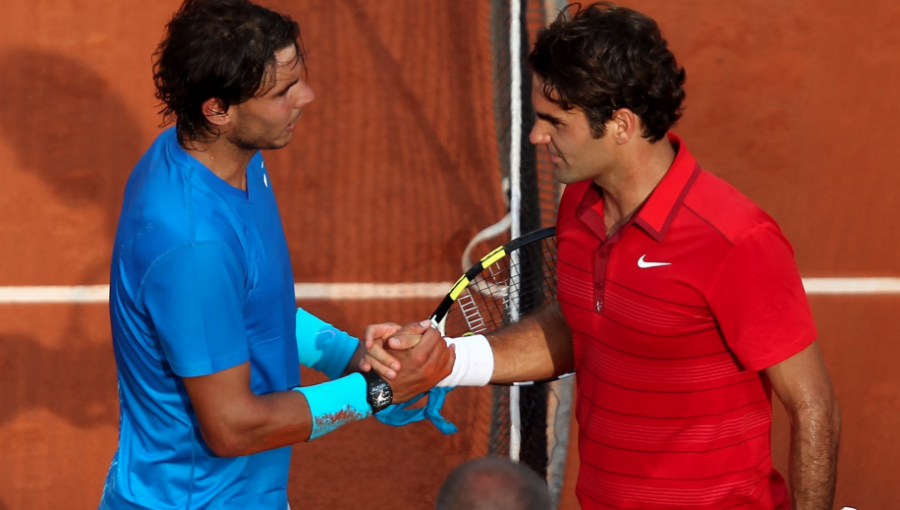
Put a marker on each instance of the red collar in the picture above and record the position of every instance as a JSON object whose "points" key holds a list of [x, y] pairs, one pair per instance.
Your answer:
{"points": [[656, 213]]}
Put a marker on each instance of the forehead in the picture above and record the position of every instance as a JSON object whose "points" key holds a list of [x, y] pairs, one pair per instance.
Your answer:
{"points": [[546, 105], [537, 90], [287, 59], [287, 66]]}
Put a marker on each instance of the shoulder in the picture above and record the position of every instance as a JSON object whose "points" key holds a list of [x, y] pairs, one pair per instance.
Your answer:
{"points": [[725, 209], [168, 206]]}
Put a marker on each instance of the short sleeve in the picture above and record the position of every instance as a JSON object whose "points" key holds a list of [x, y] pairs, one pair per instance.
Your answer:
{"points": [[759, 302], [195, 297]]}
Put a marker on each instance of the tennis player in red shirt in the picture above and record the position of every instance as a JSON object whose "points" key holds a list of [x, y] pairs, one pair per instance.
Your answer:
{"points": [[680, 306]]}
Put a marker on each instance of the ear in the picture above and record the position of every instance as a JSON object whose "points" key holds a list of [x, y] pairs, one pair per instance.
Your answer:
{"points": [[216, 112], [625, 124]]}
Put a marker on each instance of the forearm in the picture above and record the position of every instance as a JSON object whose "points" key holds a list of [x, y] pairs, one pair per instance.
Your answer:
{"points": [[358, 355], [538, 348], [271, 421], [815, 436], [324, 347], [235, 421]]}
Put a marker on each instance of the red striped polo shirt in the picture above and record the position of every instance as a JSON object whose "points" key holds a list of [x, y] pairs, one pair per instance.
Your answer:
{"points": [[673, 317]]}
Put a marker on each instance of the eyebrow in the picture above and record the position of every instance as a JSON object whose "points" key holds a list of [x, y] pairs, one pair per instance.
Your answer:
{"points": [[556, 121], [282, 90]]}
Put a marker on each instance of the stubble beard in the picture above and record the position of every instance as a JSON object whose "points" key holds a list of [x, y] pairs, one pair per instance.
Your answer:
{"points": [[258, 142]]}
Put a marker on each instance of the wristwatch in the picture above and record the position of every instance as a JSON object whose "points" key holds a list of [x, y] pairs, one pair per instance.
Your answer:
{"points": [[378, 392]]}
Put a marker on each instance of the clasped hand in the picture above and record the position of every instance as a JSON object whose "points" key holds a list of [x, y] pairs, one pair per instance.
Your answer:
{"points": [[412, 358]]}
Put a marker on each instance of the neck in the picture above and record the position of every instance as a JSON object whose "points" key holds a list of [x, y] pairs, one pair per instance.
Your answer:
{"points": [[224, 159], [629, 185]]}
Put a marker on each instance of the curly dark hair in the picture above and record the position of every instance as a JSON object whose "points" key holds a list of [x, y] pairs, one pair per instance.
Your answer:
{"points": [[605, 57], [217, 49]]}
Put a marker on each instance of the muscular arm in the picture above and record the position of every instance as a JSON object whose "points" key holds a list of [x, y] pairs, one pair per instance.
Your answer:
{"points": [[537, 348], [235, 421], [803, 386]]}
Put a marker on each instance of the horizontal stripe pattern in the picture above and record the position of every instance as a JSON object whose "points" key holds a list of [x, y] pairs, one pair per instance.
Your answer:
{"points": [[661, 434], [653, 315], [658, 376], [604, 489], [577, 288]]}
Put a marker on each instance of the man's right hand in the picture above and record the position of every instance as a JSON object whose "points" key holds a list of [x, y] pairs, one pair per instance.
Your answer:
{"points": [[424, 363], [378, 338]]}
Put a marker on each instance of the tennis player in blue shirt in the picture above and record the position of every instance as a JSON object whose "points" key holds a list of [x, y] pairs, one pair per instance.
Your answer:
{"points": [[207, 336]]}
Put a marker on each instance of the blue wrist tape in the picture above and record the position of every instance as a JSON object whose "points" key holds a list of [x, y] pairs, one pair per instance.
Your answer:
{"points": [[334, 404], [322, 346], [399, 414]]}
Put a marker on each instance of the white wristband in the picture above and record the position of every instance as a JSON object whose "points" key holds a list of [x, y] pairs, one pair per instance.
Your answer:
{"points": [[474, 363]]}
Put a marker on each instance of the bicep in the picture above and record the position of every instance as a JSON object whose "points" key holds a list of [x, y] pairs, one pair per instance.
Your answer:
{"points": [[220, 400], [235, 421]]}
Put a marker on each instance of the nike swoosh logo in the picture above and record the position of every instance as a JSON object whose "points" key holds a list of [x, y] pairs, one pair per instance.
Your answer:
{"points": [[644, 264]]}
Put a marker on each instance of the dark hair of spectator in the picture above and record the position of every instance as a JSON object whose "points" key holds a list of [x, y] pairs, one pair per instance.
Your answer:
{"points": [[604, 57], [220, 49], [493, 483]]}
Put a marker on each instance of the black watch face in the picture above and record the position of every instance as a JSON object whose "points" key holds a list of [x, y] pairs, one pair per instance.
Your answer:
{"points": [[380, 395]]}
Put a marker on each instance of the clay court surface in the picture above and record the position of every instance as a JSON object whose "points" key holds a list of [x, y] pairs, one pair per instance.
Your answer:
{"points": [[392, 170]]}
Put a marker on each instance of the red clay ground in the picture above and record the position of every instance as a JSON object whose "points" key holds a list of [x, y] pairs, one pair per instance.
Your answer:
{"points": [[392, 171]]}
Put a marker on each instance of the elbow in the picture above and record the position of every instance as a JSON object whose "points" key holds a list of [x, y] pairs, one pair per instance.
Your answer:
{"points": [[223, 443]]}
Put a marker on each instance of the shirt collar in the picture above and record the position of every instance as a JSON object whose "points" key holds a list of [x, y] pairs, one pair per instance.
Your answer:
{"points": [[655, 215]]}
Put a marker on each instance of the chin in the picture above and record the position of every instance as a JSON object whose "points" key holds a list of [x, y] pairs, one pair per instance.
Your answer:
{"points": [[564, 177], [278, 143]]}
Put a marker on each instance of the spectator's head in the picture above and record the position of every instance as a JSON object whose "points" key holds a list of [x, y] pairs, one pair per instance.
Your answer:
{"points": [[493, 483]]}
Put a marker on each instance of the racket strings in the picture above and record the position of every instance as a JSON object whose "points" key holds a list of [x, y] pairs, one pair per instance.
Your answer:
{"points": [[506, 290], [471, 313]]}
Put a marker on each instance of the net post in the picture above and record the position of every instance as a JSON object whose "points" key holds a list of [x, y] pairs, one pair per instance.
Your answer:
{"points": [[515, 154]]}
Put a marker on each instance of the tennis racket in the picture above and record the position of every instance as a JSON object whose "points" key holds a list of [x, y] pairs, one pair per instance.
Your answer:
{"points": [[503, 287]]}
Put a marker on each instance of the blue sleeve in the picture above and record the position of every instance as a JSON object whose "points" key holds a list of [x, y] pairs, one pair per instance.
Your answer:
{"points": [[195, 297], [323, 346]]}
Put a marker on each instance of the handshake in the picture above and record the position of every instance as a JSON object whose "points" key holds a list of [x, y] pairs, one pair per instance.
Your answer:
{"points": [[412, 358], [415, 359]]}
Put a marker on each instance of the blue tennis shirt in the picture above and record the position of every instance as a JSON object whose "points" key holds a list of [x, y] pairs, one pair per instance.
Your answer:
{"points": [[200, 282]]}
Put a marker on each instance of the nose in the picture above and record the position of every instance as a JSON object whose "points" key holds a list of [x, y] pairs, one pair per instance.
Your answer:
{"points": [[305, 94], [537, 136]]}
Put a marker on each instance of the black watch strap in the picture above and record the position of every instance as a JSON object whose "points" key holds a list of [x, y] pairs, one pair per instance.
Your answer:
{"points": [[379, 393]]}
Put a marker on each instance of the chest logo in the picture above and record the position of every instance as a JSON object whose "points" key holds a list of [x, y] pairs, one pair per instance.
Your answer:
{"points": [[643, 264]]}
